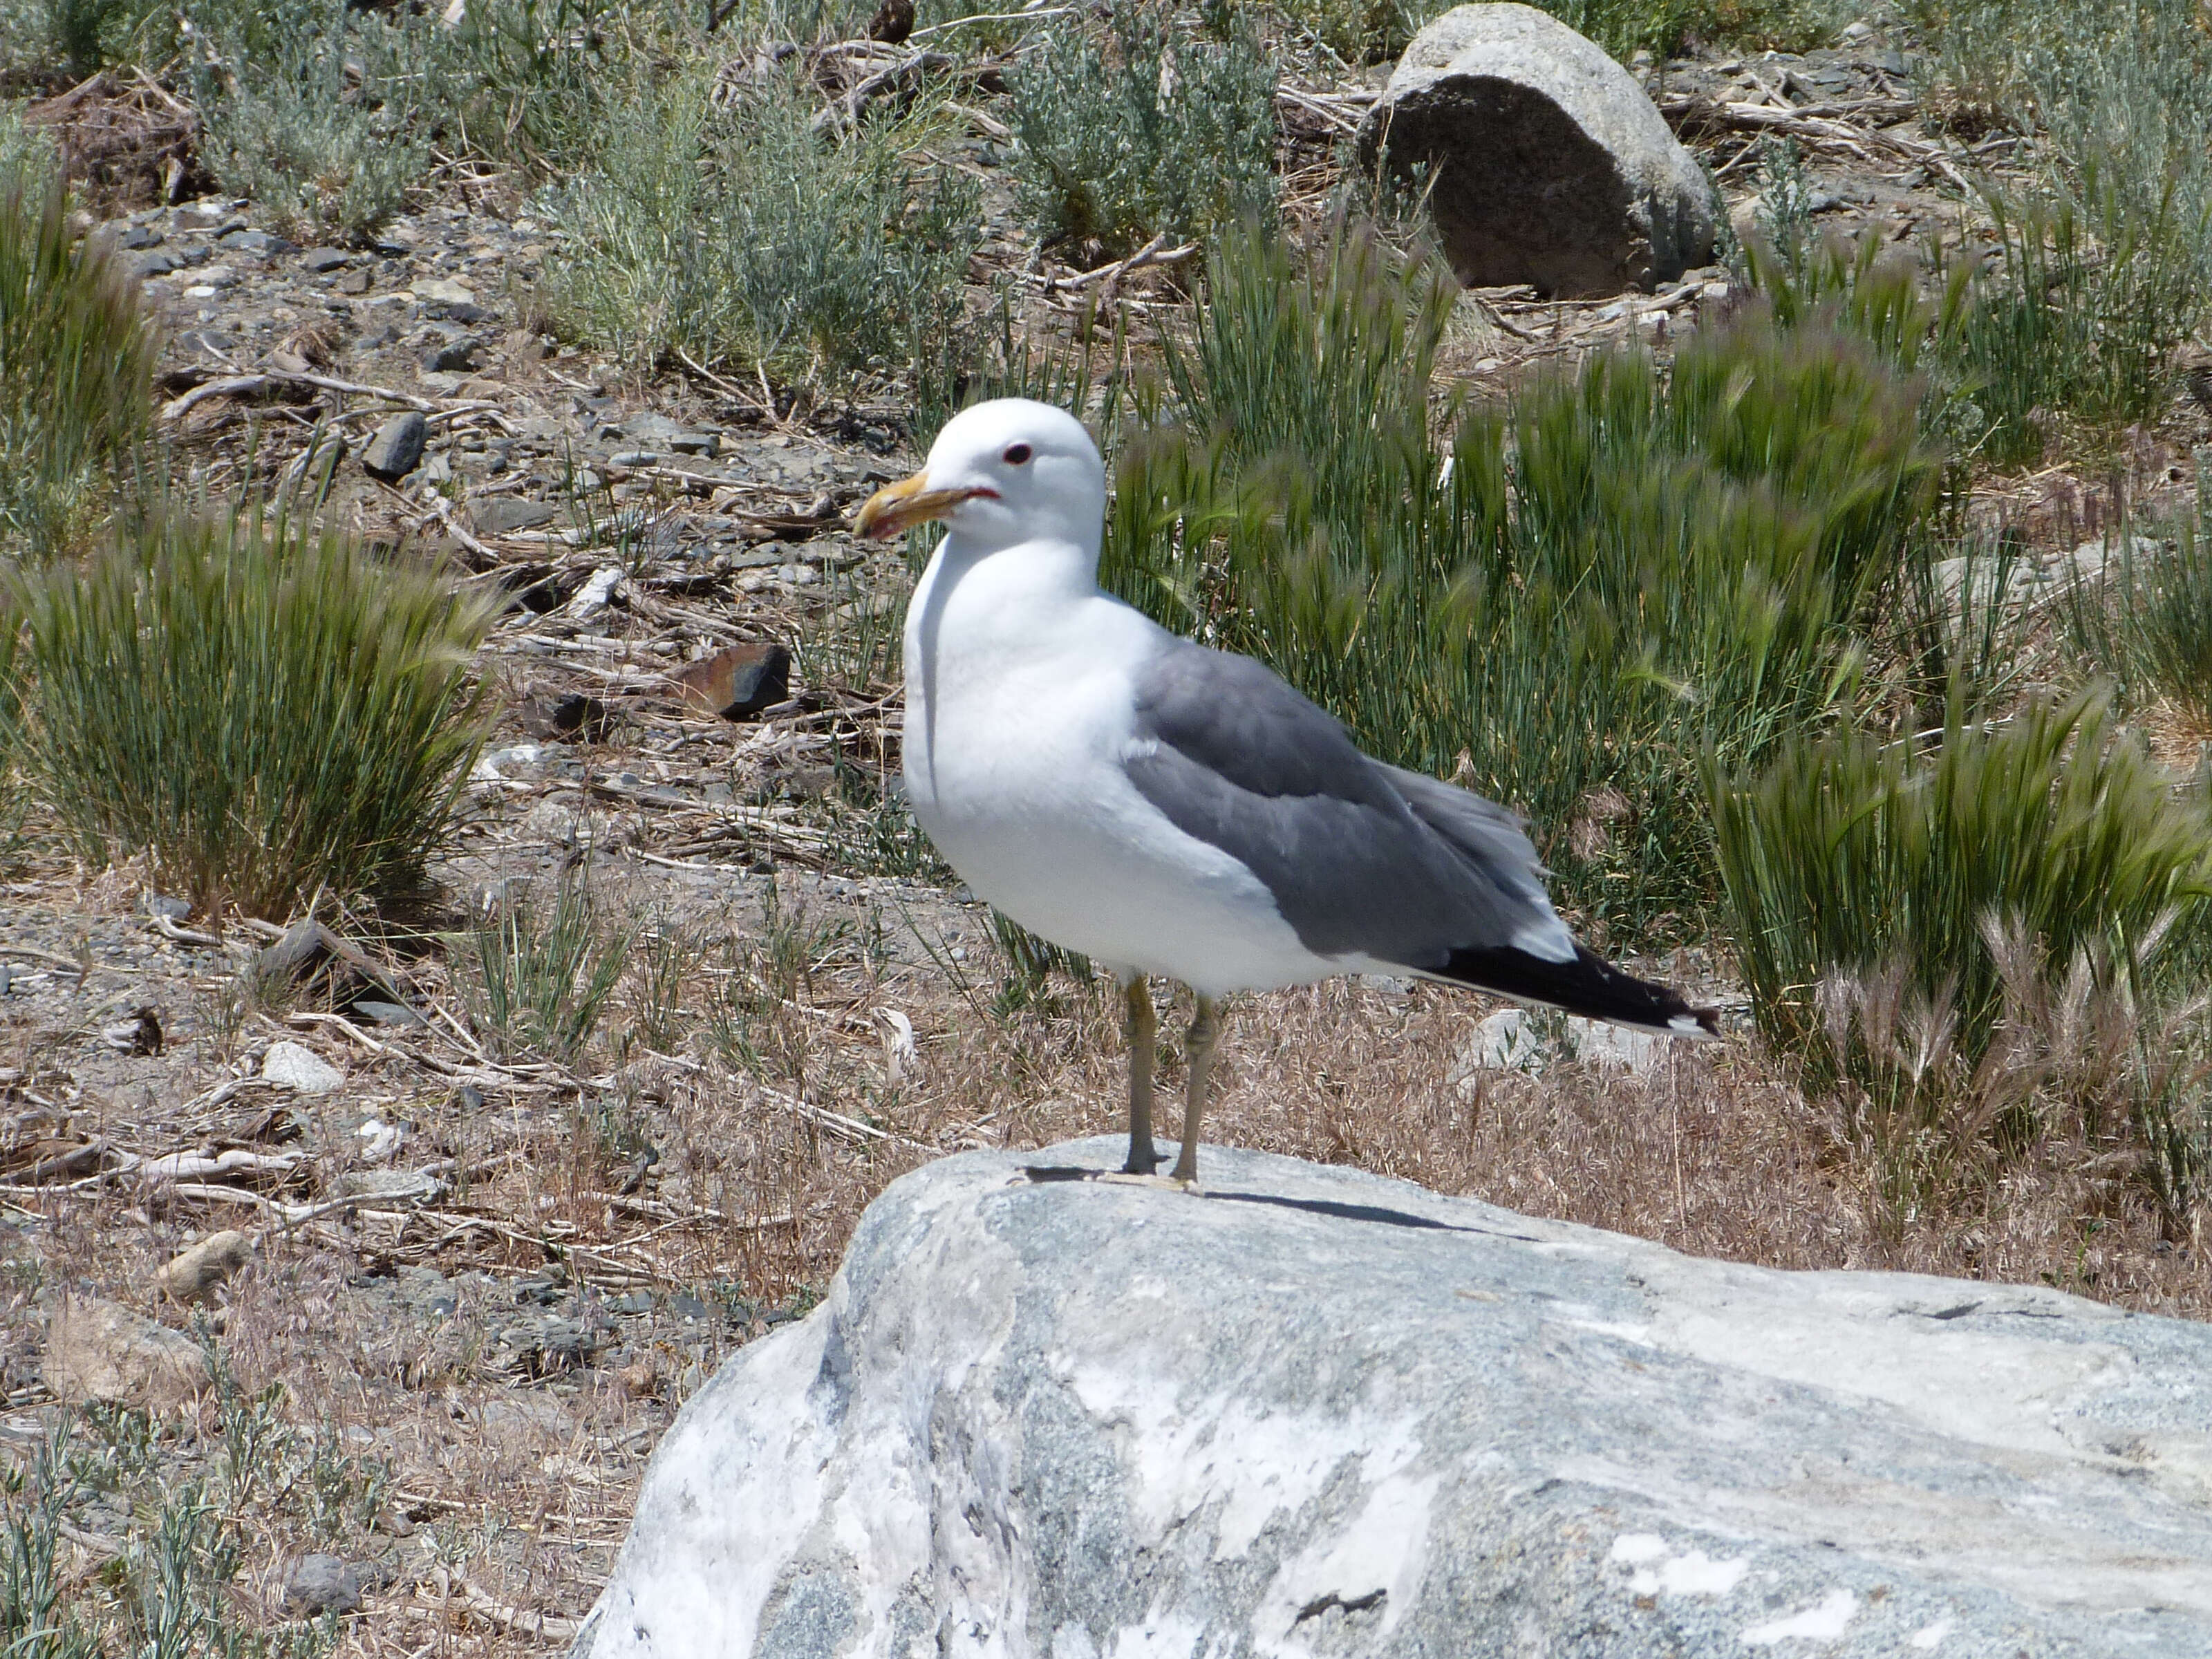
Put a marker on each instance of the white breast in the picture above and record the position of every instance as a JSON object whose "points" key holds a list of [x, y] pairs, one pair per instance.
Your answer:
{"points": [[1018, 713]]}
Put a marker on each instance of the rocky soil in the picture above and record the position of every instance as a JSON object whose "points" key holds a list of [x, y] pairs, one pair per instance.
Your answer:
{"points": [[492, 1279]]}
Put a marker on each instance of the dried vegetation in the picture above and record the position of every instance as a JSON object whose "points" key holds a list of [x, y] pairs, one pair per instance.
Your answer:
{"points": [[538, 1079]]}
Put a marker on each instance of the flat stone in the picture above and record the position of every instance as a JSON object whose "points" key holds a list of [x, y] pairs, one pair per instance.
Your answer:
{"points": [[300, 1068], [396, 448], [321, 260], [100, 1349], [455, 356], [439, 290], [1545, 162], [322, 1585], [501, 515], [1315, 1412]]}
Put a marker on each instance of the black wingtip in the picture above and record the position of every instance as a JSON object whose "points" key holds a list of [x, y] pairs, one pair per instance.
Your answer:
{"points": [[1589, 986]]}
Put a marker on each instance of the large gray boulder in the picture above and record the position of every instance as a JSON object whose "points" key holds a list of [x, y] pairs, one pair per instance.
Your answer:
{"points": [[1545, 162], [1315, 1412]]}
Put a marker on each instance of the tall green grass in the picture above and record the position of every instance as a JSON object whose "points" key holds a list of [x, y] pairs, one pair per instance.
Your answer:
{"points": [[265, 709], [1564, 603], [1933, 932], [539, 974], [77, 356], [2147, 618]]}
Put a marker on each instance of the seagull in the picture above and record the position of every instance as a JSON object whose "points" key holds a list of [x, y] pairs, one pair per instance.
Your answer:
{"points": [[1171, 811]]}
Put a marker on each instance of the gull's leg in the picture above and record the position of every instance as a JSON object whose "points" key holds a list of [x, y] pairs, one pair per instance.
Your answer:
{"points": [[1144, 1042], [1205, 1035]]}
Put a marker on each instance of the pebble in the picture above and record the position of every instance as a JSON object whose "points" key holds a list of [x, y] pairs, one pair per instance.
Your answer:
{"points": [[300, 1068], [321, 259]]}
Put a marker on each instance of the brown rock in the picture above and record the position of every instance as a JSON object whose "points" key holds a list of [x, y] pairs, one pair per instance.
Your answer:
{"points": [[734, 682], [193, 1273], [892, 23], [100, 1349]]}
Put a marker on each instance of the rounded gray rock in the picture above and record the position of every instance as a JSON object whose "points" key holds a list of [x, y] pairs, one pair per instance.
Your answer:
{"points": [[1545, 161], [396, 448], [320, 1584]]}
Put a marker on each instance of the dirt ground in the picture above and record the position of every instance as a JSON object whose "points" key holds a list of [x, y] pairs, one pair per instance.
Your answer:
{"points": [[480, 1286]]}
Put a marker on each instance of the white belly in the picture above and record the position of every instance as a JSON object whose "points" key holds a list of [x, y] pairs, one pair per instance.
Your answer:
{"points": [[1014, 773]]}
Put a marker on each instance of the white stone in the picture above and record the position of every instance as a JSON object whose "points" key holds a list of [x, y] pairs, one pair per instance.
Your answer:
{"points": [[1547, 162], [1316, 1412], [300, 1068]]}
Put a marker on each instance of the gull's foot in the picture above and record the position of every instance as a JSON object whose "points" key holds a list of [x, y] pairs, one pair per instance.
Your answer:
{"points": [[1172, 1183]]}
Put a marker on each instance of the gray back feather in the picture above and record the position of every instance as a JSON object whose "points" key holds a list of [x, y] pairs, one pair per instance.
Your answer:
{"points": [[1359, 856]]}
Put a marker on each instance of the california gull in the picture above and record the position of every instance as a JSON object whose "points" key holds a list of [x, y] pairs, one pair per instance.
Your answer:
{"points": [[1165, 809]]}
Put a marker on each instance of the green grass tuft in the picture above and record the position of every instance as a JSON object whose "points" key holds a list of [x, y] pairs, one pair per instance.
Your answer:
{"points": [[264, 709], [77, 356], [540, 974], [1926, 931]]}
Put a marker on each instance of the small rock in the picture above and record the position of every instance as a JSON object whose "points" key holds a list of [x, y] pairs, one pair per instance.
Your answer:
{"points": [[652, 430], [634, 458], [165, 904], [321, 259], [322, 1585], [595, 594], [138, 236], [356, 281], [522, 761], [100, 1349], [193, 1273], [391, 1186], [396, 448], [387, 1013], [696, 443], [141, 1034], [575, 714], [155, 265], [300, 1069], [257, 242], [455, 356], [443, 291], [737, 682], [501, 515], [295, 956]]}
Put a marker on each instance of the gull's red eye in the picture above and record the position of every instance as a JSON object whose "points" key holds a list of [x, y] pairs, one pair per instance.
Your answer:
{"points": [[1016, 454]]}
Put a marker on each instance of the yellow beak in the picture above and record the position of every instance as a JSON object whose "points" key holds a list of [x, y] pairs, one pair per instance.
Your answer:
{"points": [[898, 507]]}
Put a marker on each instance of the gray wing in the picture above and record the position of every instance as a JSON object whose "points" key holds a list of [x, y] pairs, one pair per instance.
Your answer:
{"points": [[1359, 856]]}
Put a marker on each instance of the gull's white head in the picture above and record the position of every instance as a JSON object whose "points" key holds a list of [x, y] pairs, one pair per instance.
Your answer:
{"points": [[999, 474]]}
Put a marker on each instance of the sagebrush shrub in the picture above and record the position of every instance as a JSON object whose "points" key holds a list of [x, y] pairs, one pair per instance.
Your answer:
{"points": [[263, 708], [745, 236], [1147, 130], [283, 124]]}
